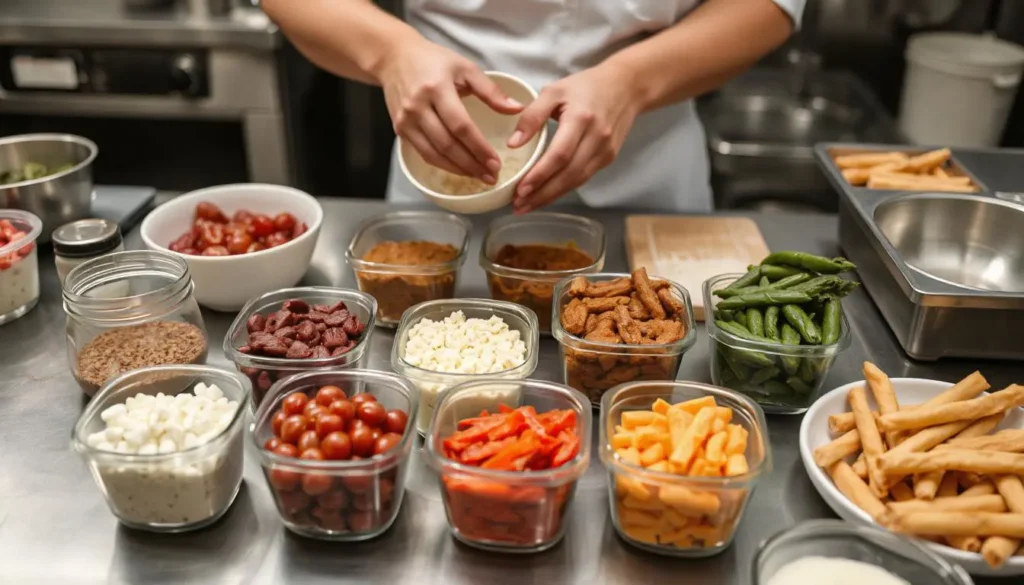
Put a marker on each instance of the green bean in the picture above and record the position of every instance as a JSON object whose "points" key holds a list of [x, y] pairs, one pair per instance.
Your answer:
{"points": [[822, 285], [771, 324], [740, 331], [787, 282], [764, 282], [765, 298], [724, 315], [741, 318], [810, 262], [806, 371], [776, 388], [790, 336], [831, 322], [755, 322], [763, 375], [798, 385], [777, 272], [747, 279], [739, 370], [796, 317]]}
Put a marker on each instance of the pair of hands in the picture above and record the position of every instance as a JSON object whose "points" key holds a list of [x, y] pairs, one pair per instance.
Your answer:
{"points": [[423, 84]]}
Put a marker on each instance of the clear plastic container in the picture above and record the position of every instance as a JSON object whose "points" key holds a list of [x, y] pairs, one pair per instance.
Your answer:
{"points": [[900, 556], [19, 264], [796, 375], [507, 511], [672, 514], [364, 495], [431, 383], [129, 310], [536, 288], [263, 371], [398, 287], [171, 492], [594, 367]]}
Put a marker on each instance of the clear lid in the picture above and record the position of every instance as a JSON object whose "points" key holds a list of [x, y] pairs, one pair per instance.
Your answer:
{"points": [[86, 238]]}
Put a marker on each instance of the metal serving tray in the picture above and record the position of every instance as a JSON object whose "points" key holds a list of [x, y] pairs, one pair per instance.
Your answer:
{"points": [[945, 270]]}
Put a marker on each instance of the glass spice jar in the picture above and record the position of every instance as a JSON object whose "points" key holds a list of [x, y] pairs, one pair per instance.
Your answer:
{"points": [[129, 310], [83, 240]]}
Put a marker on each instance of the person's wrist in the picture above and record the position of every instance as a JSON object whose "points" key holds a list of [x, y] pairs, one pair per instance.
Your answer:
{"points": [[382, 55], [630, 76]]}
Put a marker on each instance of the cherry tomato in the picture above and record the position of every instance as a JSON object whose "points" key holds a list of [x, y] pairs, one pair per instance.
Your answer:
{"points": [[317, 484], [363, 502], [276, 239], [330, 519], [308, 440], [294, 502], [284, 222], [361, 521], [343, 408], [313, 410], [362, 441], [372, 413], [312, 454], [284, 480], [336, 446], [239, 243], [286, 450], [216, 251], [255, 247], [386, 442], [363, 397], [300, 228], [355, 424], [395, 421], [329, 423], [292, 428], [358, 484], [262, 226], [335, 500], [294, 403], [242, 216], [328, 394], [272, 444], [276, 420], [209, 211], [375, 433]]}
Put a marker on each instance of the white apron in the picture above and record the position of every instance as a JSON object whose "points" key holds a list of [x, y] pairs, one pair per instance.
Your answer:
{"points": [[663, 164]]}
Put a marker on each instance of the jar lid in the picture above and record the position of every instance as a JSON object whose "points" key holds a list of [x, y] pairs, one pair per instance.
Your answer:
{"points": [[86, 238]]}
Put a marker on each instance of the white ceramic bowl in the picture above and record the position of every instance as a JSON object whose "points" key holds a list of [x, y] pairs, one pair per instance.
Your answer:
{"points": [[226, 283], [496, 128], [814, 433]]}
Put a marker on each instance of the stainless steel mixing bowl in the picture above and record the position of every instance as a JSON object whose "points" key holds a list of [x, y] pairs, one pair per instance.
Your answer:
{"points": [[58, 198], [966, 240]]}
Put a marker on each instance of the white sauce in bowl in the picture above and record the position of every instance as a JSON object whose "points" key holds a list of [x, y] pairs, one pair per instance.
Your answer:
{"points": [[834, 571]]}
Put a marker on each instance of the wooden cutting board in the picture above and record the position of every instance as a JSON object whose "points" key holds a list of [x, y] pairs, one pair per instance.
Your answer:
{"points": [[689, 250]]}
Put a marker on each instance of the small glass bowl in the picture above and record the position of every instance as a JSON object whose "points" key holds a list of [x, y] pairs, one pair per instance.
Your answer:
{"points": [[594, 367], [19, 266], [797, 374], [507, 511], [642, 514], [431, 383], [398, 287], [535, 289], [900, 556], [263, 371], [172, 492], [364, 495]]}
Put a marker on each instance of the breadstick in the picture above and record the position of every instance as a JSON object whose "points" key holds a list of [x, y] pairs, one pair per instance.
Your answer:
{"points": [[856, 490], [966, 479], [860, 466], [965, 543], [985, 462], [925, 179], [975, 408], [1012, 490], [982, 489], [842, 422], [927, 484], [901, 492], [928, 160], [997, 549], [1010, 440], [989, 503], [861, 176], [870, 440], [841, 448], [918, 183], [949, 487], [869, 159], [881, 389], [940, 173], [960, 524]]}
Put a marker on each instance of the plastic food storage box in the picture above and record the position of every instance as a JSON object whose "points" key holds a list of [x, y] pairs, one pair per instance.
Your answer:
{"points": [[397, 287], [797, 374], [536, 288], [431, 383], [672, 514], [19, 265], [263, 371], [594, 367], [365, 494], [171, 492], [507, 511]]}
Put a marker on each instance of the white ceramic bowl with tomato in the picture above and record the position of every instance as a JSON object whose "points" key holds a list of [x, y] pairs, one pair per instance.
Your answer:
{"points": [[227, 282]]}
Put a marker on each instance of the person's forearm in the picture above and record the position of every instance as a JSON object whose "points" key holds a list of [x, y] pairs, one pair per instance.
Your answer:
{"points": [[349, 38], [717, 41]]}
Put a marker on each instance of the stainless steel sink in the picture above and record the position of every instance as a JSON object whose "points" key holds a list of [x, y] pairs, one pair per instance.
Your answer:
{"points": [[973, 242]]}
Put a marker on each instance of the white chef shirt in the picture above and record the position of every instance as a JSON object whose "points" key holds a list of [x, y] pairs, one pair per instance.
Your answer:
{"points": [[663, 164]]}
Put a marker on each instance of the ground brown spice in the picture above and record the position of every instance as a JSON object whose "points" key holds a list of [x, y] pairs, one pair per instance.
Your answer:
{"points": [[396, 292], [117, 351]]}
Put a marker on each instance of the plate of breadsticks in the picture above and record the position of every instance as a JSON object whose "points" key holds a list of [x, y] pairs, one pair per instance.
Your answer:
{"points": [[902, 171], [931, 460]]}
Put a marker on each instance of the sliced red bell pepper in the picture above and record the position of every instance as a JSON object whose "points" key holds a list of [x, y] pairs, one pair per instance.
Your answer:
{"points": [[557, 421], [475, 434], [478, 452], [506, 458], [569, 448], [513, 425], [504, 409], [484, 418]]}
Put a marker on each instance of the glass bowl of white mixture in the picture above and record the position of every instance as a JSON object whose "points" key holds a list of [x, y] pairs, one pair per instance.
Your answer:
{"points": [[841, 553], [165, 445], [19, 265]]}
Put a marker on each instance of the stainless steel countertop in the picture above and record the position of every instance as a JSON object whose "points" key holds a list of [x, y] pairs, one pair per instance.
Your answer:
{"points": [[71, 23], [55, 526]]}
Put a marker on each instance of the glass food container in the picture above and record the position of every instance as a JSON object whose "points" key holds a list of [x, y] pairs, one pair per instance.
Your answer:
{"points": [[400, 286], [431, 383], [363, 496], [534, 288], [263, 371], [593, 367], [672, 514], [129, 310], [82, 240], [170, 492], [19, 263], [783, 379], [507, 511], [900, 556]]}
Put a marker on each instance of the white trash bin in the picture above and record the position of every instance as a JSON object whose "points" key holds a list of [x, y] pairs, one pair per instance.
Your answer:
{"points": [[958, 88]]}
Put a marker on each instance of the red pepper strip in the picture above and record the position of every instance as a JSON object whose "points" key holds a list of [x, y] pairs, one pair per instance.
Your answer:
{"points": [[476, 487], [505, 459], [557, 421], [539, 462], [504, 409], [483, 418], [570, 446], [514, 424], [477, 433], [531, 420], [479, 452]]}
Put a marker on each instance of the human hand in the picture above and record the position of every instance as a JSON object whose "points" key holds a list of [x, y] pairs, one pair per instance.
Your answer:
{"points": [[423, 84], [595, 109]]}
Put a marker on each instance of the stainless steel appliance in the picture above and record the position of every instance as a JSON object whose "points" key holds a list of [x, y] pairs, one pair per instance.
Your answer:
{"points": [[945, 270]]}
